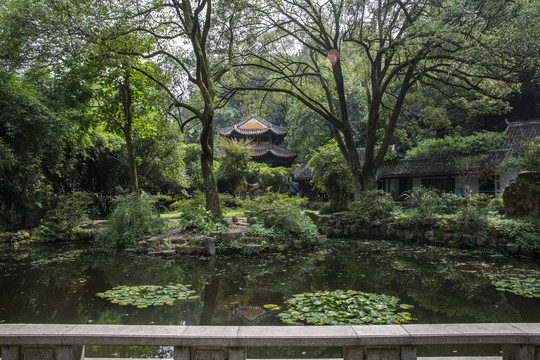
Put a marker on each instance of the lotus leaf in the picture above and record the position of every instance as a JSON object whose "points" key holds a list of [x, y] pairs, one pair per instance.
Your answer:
{"points": [[146, 295], [526, 287], [344, 307]]}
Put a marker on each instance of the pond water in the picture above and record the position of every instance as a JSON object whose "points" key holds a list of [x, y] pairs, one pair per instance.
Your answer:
{"points": [[57, 284]]}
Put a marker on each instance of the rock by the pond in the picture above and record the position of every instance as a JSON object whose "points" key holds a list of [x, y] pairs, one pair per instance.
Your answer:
{"points": [[314, 216], [429, 235], [249, 249], [228, 237], [512, 248], [522, 196], [234, 219], [210, 246]]}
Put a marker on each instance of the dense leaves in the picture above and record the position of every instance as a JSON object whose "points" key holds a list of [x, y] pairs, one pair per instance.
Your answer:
{"points": [[148, 295], [480, 142], [331, 173], [341, 307], [133, 218]]}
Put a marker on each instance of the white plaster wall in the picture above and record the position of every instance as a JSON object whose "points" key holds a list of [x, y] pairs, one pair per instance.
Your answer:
{"points": [[472, 181]]}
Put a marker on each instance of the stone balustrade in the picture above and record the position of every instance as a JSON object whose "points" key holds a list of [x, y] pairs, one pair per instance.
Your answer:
{"points": [[370, 342]]}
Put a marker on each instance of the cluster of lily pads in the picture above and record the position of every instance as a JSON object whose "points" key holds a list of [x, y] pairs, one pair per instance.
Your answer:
{"points": [[147, 295], [526, 287], [344, 307]]}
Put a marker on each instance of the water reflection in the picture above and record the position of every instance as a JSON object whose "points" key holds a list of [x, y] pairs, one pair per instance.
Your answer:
{"points": [[58, 285]]}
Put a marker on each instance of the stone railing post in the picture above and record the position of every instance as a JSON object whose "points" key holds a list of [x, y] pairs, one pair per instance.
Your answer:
{"points": [[379, 353], [10, 352], [519, 352], [52, 352], [204, 353]]}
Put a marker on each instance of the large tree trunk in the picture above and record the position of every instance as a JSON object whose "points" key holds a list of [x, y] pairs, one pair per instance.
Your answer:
{"points": [[369, 180], [210, 185], [127, 103], [134, 182], [207, 166]]}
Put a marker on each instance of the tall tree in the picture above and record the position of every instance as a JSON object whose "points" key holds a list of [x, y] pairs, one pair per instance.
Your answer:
{"points": [[199, 40], [319, 51]]}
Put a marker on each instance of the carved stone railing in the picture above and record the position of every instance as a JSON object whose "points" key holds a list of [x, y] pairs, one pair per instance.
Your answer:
{"points": [[372, 342]]}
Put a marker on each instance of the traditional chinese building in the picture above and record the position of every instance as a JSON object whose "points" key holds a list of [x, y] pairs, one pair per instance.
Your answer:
{"points": [[264, 137]]}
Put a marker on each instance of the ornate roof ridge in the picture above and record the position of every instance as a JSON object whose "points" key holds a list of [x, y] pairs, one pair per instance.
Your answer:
{"points": [[278, 130]]}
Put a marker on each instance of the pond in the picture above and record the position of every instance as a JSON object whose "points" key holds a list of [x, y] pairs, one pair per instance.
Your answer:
{"points": [[57, 284]]}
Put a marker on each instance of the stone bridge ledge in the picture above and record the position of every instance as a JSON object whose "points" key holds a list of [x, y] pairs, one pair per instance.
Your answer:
{"points": [[368, 342]]}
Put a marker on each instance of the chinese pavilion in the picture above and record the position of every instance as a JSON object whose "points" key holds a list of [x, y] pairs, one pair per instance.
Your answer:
{"points": [[264, 139]]}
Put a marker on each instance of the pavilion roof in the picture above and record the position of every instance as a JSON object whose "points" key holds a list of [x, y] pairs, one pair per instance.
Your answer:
{"points": [[267, 149], [253, 126]]}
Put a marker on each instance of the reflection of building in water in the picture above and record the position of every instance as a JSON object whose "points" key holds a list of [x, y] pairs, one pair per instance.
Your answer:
{"points": [[254, 311], [251, 315]]}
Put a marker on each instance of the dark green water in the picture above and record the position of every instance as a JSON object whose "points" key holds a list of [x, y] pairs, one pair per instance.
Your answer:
{"points": [[58, 284]]}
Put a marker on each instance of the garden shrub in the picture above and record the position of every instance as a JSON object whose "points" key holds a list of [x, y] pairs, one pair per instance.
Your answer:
{"points": [[200, 220], [230, 201], [408, 218], [331, 174], [331, 208], [259, 230], [371, 207], [274, 179], [426, 199], [521, 231], [195, 216], [162, 202], [285, 215], [69, 211], [232, 168], [133, 218], [197, 199]]}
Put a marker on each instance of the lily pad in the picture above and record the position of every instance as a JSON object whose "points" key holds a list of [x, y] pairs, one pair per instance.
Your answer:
{"points": [[526, 287], [272, 307], [344, 307], [147, 295]]}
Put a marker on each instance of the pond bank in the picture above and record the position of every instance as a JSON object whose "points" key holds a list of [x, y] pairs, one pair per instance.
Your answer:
{"points": [[433, 230]]}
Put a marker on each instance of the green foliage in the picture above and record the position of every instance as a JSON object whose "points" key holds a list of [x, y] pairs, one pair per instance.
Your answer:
{"points": [[408, 218], [530, 161], [522, 231], [285, 215], [229, 201], [371, 207], [69, 211], [195, 216], [233, 165], [426, 199], [528, 287], [331, 208], [133, 218], [161, 166], [477, 143], [162, 202], [274, 179], [148, 295], [200, 220], [331, 174], [260, 230], [341, 307]]}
